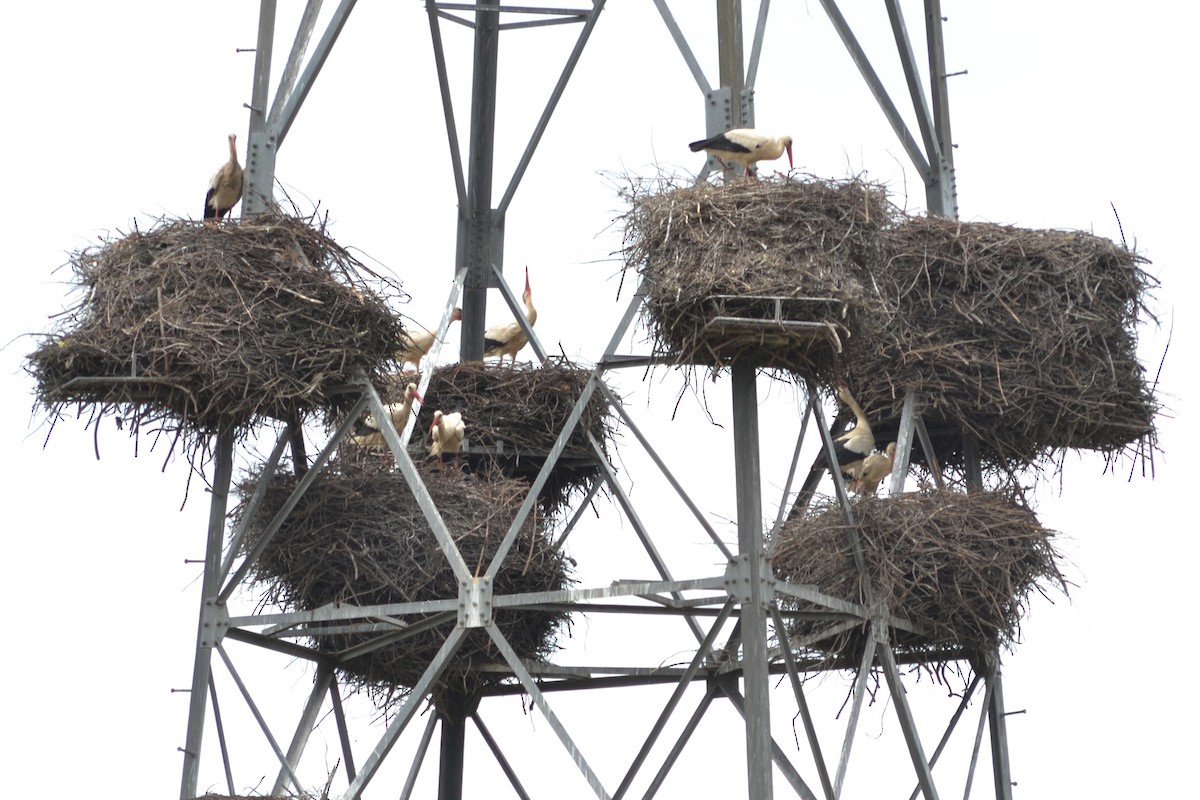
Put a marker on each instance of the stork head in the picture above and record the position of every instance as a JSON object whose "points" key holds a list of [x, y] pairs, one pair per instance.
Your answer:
{"points": [[891, 452], [787, 145], [437, 421], [456, 315], [411, 393]]}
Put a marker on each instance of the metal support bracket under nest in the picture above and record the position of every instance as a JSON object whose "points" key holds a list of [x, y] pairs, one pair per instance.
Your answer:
{"points": [[764, 314]]}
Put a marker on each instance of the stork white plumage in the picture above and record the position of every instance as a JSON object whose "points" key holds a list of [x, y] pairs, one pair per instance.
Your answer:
{"points": [[508, 339], [875, 468], [418, 341], [853, 446], [446, 435], [368, 435], [225, 187], [745, 147]]}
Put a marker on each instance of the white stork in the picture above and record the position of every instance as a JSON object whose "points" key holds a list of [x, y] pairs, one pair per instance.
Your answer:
{"points": [[367, 434], [225, 188], [745, 146], [875, 468], [853, 446], [507, 340], [446, 434], [417, 342]]}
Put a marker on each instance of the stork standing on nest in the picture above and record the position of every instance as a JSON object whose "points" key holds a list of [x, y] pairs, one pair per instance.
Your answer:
{"points": [[418, 342], [225, 187], [367, 434], [746, 147], [446, 435], [852, 447], [875, 468], [507, 340]]}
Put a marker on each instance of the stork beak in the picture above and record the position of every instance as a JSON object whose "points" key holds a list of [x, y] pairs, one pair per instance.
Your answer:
{"points": [[527, 279], [788, 147], [418, 398]]}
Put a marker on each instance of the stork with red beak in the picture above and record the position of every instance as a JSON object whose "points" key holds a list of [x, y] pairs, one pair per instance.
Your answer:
{"points": [[225, 187], [367, 433], [745, 147], [852, 447], [446, 435], [507, 340], [418, 342]]}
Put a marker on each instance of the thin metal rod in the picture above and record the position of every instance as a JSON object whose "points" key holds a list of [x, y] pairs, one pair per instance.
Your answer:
{"points": [[876, 86], [950, 726], [494, 746], [304, 727], [681, 742], [439, 58], [860, 689], [287, 114], [684, 50], [593, 490], [935, 468], [979, 729], [418, 760], [778, 756], [206, 629], [908, 724], [810, 729], [339, 717], [551, 104], [535, 694], [216, 709], [404, 715], [904, 441], [673, 701], [912, 77], [291, 70], [760, 34], [615, 403], [258, 717], [260, 491], [781, 517]]}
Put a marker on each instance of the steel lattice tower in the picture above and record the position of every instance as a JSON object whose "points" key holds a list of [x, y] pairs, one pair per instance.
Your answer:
{"points": [[745, 588]]}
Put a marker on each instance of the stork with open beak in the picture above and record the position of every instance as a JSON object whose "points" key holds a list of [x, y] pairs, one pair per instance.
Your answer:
{"points": [[225, 187], [507, 340], [745, 147], [418, 342], [852, 447], [875, 468], [367, 433], [446, 435]]}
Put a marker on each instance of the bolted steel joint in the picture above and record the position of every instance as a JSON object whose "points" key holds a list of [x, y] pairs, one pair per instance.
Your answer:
{"points": [[475, 602]]}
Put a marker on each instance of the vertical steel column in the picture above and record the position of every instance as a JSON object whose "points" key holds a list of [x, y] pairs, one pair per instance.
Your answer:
{"points": [[729, 59], [476, 223], [454, 708], [750, 547], [260, 144], [942, 194], [998, 733], [208, 633]]}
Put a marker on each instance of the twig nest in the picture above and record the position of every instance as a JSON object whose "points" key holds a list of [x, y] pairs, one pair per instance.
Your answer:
{"points": [[358, 536], [192, 326], [1026, 338], [514, 416], [715, 258], [963, 565]]}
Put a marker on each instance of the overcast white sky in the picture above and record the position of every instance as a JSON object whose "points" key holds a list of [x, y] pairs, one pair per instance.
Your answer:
{"points": [[117, 112]]}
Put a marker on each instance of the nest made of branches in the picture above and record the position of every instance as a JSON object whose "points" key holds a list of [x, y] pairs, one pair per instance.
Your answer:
{"points": [[751, 240], [357, 536], [963, 565], [189, 327], [1025, 338], [513, 417]]}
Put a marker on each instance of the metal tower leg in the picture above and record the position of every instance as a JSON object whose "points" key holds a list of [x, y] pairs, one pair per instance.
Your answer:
{"points": [[999, 735], [455, 709], [750, 547], [211, 612]]}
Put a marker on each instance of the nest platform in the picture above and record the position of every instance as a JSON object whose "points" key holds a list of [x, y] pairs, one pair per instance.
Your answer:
{"points": [[961, 565], [358, 537], [191, 327]]}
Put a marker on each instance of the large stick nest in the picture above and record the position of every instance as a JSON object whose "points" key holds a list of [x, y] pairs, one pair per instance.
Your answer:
{"points": [[963, 565], [750, 240], [358, 537], [189, 327], [1026, 338], [513, 417]]}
